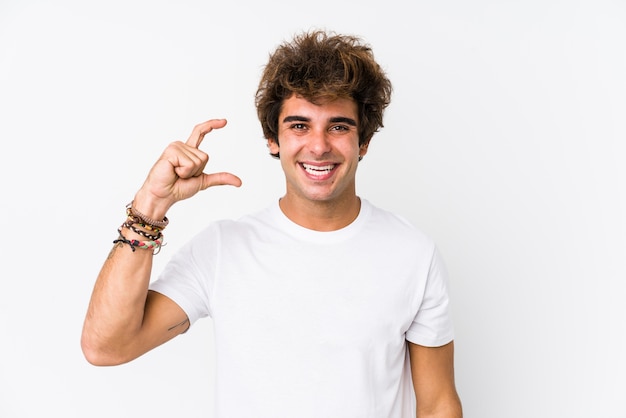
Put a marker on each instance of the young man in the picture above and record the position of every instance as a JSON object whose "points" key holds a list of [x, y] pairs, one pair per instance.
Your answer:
{"points": [[311, 317]]}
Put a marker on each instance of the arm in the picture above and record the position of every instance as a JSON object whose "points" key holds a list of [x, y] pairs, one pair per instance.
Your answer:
{"points": [[432, 370], [124, 319]]}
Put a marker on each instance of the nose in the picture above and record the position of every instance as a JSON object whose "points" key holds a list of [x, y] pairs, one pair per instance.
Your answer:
{"points": [[319, 142]]}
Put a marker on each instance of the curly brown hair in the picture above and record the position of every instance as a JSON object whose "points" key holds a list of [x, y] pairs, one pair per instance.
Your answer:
{"points": [[319, 66]]}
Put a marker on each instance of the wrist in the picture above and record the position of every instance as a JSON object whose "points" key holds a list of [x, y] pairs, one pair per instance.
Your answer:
{"points": [[150, 206], [153, 245], [136, 217]]}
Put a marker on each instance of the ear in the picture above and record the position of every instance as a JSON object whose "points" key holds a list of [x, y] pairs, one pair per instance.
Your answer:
{"points": [[363, 148], [272, 146]]}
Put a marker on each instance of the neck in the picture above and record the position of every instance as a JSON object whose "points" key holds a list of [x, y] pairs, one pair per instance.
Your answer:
{"points": [[321, 215]]}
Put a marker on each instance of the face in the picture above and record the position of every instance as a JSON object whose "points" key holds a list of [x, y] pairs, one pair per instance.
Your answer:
{"points": [[319, 149]]}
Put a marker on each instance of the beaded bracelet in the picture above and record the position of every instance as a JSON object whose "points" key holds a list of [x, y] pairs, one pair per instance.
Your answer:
{"points": [[132, 211], [146, 245], [129, 224], [133, 220]]}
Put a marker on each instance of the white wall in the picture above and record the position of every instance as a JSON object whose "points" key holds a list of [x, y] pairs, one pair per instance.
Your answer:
{"points": [[505, 142]]}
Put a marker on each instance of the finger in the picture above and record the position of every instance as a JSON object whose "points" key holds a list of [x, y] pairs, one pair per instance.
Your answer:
{"points": [[185, 160], [219, 179], [200, 130]]}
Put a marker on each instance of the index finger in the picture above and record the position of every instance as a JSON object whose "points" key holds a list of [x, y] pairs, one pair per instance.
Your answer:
{"points": [[200, 130]]}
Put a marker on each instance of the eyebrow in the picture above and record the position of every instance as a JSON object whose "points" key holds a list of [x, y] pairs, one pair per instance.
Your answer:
{"points": [[341, 119]]}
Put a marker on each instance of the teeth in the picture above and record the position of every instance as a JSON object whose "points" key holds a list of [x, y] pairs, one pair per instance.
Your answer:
{"points": [[314, 169]]}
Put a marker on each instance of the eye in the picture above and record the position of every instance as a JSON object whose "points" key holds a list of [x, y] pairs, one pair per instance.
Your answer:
{"points": [[340, 128], [298, 126]]}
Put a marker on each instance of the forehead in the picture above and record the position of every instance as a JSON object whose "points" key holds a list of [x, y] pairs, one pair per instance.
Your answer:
{"points": [[323, 110]]}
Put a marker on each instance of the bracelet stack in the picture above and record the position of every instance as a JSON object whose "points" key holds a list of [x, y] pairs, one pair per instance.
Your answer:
{"points": [[146, 227]]}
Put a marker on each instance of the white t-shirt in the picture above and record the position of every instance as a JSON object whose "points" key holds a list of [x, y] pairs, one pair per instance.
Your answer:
{"points": [[309, 323]]}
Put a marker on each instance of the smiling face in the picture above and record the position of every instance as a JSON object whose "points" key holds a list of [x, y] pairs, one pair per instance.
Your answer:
{"points": [[319, 151]]}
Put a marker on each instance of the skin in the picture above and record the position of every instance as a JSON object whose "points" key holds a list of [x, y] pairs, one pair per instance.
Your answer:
{"points": [[432, 371], [319, 136], [319, 151], [124, 320]]}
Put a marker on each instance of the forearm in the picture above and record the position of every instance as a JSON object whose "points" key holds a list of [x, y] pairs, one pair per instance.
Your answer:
{"points": [[115, 314]]}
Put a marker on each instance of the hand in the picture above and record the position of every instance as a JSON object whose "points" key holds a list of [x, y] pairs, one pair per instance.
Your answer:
{"points": [[179, 173]]}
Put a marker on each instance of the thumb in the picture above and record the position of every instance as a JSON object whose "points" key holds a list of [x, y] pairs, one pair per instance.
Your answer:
{"points": [[219, 179]]}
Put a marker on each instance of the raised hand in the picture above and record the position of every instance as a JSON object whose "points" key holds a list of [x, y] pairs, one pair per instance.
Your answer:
{"points": [[179, 173]]}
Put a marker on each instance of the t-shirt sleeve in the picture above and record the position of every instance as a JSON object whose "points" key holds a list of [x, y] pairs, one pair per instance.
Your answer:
{"points": [[187, 278], [432, 325]]}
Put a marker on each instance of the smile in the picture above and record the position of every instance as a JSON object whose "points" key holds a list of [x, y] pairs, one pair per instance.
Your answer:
{"points": [[318, 170]]}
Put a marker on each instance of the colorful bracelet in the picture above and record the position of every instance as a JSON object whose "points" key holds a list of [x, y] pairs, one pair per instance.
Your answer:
{"points": [[146, 245]]}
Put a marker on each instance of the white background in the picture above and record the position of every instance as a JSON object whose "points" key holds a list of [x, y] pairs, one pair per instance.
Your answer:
{"points": [[505, 142]]}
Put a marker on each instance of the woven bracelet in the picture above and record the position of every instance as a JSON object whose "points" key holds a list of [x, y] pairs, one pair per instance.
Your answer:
{"points": [[132, 211], [129, 224], [145, 245]]}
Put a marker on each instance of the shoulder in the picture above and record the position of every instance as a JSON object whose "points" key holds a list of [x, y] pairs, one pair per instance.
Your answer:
{"points": [[227, 228], [396, 226]]}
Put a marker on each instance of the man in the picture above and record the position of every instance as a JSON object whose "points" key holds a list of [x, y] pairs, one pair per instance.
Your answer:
{"points": [[323, 305]]}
